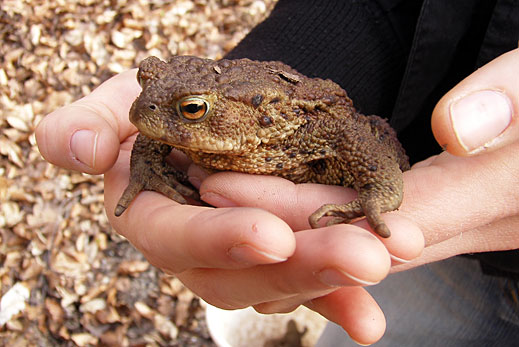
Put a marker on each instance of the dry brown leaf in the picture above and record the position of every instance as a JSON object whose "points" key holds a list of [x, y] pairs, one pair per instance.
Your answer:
{"points": [[144, 310], [108, 316], [165, 326], [182, 309], [116, 337], [12, 151], [54, 233], [84, 339], [133, 267], [31, 269], [55, 313], [93, 305], [65, 264]]}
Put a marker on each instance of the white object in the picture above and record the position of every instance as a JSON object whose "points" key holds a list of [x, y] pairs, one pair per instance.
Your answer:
{"points": [[246, 327]]}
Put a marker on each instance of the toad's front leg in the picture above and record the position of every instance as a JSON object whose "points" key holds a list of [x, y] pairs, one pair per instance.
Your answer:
{"points": [[149, 171], [377, 193]]}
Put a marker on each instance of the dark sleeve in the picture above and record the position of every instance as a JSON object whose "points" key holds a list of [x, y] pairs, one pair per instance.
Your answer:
{"points": [[395, 58], [361, 45]]}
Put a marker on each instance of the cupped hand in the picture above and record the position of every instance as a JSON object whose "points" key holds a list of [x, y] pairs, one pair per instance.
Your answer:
{"points": [[234, 256], [464, 200]]}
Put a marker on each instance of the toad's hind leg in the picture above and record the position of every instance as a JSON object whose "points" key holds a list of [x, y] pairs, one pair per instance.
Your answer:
{"points": [[373, 200], [372, 210]]}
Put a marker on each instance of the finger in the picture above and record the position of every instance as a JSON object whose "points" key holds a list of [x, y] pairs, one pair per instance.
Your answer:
{"points": [[197, 175], [500, 235], [295, 202], [85, 135], [481, 113], [456, 194], [324, 259], [274, 194], [291, 303], [406, 242], [355, 310], [179, 237]]}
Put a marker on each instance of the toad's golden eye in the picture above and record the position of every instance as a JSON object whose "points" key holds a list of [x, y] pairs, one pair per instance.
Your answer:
{"points": [[193, 108]]}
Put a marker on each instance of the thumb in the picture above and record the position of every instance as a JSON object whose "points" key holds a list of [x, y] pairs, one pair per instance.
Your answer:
{"points": [[480, 113], [86, 135]]}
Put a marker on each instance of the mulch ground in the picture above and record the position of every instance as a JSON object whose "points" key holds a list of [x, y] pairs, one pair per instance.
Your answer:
{"points": [[66, 278]]}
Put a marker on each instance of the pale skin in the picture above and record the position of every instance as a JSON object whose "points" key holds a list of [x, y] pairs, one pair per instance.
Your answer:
{"points": [[257, 249]]}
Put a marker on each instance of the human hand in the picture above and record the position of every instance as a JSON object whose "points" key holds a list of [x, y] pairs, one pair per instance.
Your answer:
{"points": [[464, 200], [232, 257]]}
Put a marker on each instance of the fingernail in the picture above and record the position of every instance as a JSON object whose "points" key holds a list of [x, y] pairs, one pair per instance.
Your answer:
{"points": [[337, 278], [399, 260], [196, 175], [480, 117], [83, 145], [217, 200], [247, 254], [360, 344]]}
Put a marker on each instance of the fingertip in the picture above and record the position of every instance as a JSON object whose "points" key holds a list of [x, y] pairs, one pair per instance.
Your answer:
{"points": [[480, 113], [87, 143], [406, 241], [355, 310], [249, 236], [347, 255], [197, 175], [468, 124], [86, 135]]}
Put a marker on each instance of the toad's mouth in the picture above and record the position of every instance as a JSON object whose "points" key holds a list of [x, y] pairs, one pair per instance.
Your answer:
{"points": [[192, 142], [214, 147]]}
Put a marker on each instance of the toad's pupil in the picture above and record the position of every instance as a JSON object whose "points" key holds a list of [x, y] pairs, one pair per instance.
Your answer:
{"points": [[193, 108]]}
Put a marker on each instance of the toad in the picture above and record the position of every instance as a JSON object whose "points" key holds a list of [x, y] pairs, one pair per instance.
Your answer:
{"points": [[261, 118]]}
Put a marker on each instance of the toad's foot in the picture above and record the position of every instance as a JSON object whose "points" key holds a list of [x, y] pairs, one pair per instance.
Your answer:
{"points": [[167, 186], [341, 213], [149, 171], [370, 203], [346, 213]]}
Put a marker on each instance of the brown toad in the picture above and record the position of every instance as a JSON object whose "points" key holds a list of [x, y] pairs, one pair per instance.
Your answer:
{"points": [[261, 118]]}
